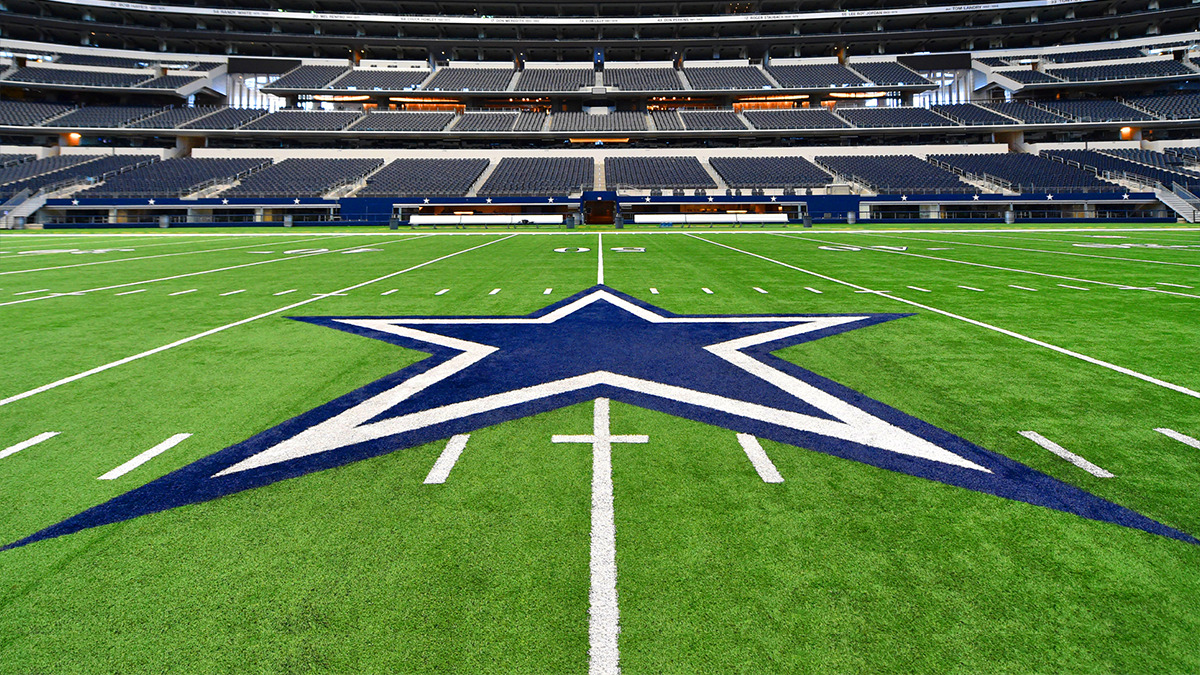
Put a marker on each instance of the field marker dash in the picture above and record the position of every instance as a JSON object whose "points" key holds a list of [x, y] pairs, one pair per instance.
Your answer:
{"points": [[1163, 283], [145, 457], [653, 291], [494, 291], [918, 288], [760, 290], [389, 292], [190, 290], [1075, 288], [233, 292], [14, 449], [1066, 454], [445, 462], [972, 288], [707, 290], [140, 290], [1169, 433], [758, 457], [547, 291], [40, 290], [810, 288], [443, 291], [291, 290], [1022, 288]]}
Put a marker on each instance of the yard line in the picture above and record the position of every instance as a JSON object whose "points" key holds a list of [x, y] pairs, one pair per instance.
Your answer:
{"points": [[140, 290], [1023, 288], [1066, 454], [40, 290], [14, 449], [190, 290], [707, 290], [494, 291], [145, 457], [547, 291], [599, 258], [759, 290], [1075, 288], [146, 257], [972, 288], [442, 292], [1003, 331], [1163, 283], [810, 288], [758, 457], [218, 329], [233, 292], [653, 291], [202, 272], [292, 290], [1169, 433], [1039, 250], [918, 288], [445, 462]]}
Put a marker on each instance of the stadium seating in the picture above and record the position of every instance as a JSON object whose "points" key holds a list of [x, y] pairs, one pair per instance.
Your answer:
{"points": [[77, 172], [769, 172], [666, 120], [1150, 158], [170, 82], [1095, 55], [895, 174], [11, 160], [25, 170], [655, 172], [172, 118], [303, 120], [994, 61], [470, 79], [887, 73], [226, 118], [892, 117], [486, 121], [1113, 167], [403, 121], [530, 121], [1172, 107], [711, 120], [580, 121], [815, 76], [425, 178], [303, 177], [1023, 112], [643, 79], [21, 114], [539, 176], [173, 178], [1096, 111], [1140, 70], [78, 78], [969, 114], [555, 79], [1025, 173], [728, 77], [382, 79], [308, 77], [102, 116], [796, 118], [1027, 76]]}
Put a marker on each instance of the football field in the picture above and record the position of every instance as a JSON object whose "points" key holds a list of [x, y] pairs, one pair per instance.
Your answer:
{"points": [[555, 452]]}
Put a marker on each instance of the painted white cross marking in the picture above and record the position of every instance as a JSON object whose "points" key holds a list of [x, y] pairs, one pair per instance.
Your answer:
{"points": [[443, 291], [810, 288], [1066, 454], [972, 288], [494, 291], [40, 290], [547, 291], [1163, 283], [14, 449], [389, 292], [758, 457], [760, 290], [446, 461], [604, 616], [145, 457], [292, 290], [1023, 288], [190, 290], [1075, 288], [1169, 433], [707, 290], [140, 290], [653, 291], [918, 288], [233, 292]]}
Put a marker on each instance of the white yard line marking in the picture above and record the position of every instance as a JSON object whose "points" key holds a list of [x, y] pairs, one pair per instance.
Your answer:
{"points": [[145, 457], [1022, 288], [494, 291], [603, 614], [1170, 433], [233, 292], [326, 295], [445, 462], [140, 290], [972, 288], [1039, 250], [939, 249], [202, 272], [14, 449], [653, 291], [758, 457], [40, 290], [1163, 283], [810, 288], [1066, 454], [218, 329], [190, 290], [599, 258], [389, 292], [1002, 331], [547, 291], [918, 288], [443, 291], [707, 290], [1075, 288], [759, 290], [290, 290]]}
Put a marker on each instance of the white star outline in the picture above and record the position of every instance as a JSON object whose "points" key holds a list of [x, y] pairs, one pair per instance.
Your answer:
{"points": [[353, 426]]}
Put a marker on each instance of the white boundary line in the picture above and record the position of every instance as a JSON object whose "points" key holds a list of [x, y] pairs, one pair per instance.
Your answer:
{"points": [[446, 461], [758, 457], [145, 457], [1002, 331], [14, 449], [1066, 454], [218, 329], [1169, 433]]}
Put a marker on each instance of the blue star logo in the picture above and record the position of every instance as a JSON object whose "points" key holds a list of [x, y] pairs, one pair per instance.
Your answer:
{"points": [[600, 343]]}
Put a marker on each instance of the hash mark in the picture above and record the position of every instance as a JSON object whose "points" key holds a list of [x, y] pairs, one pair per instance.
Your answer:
{"points": [[918, 288], [1066, 454]]}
